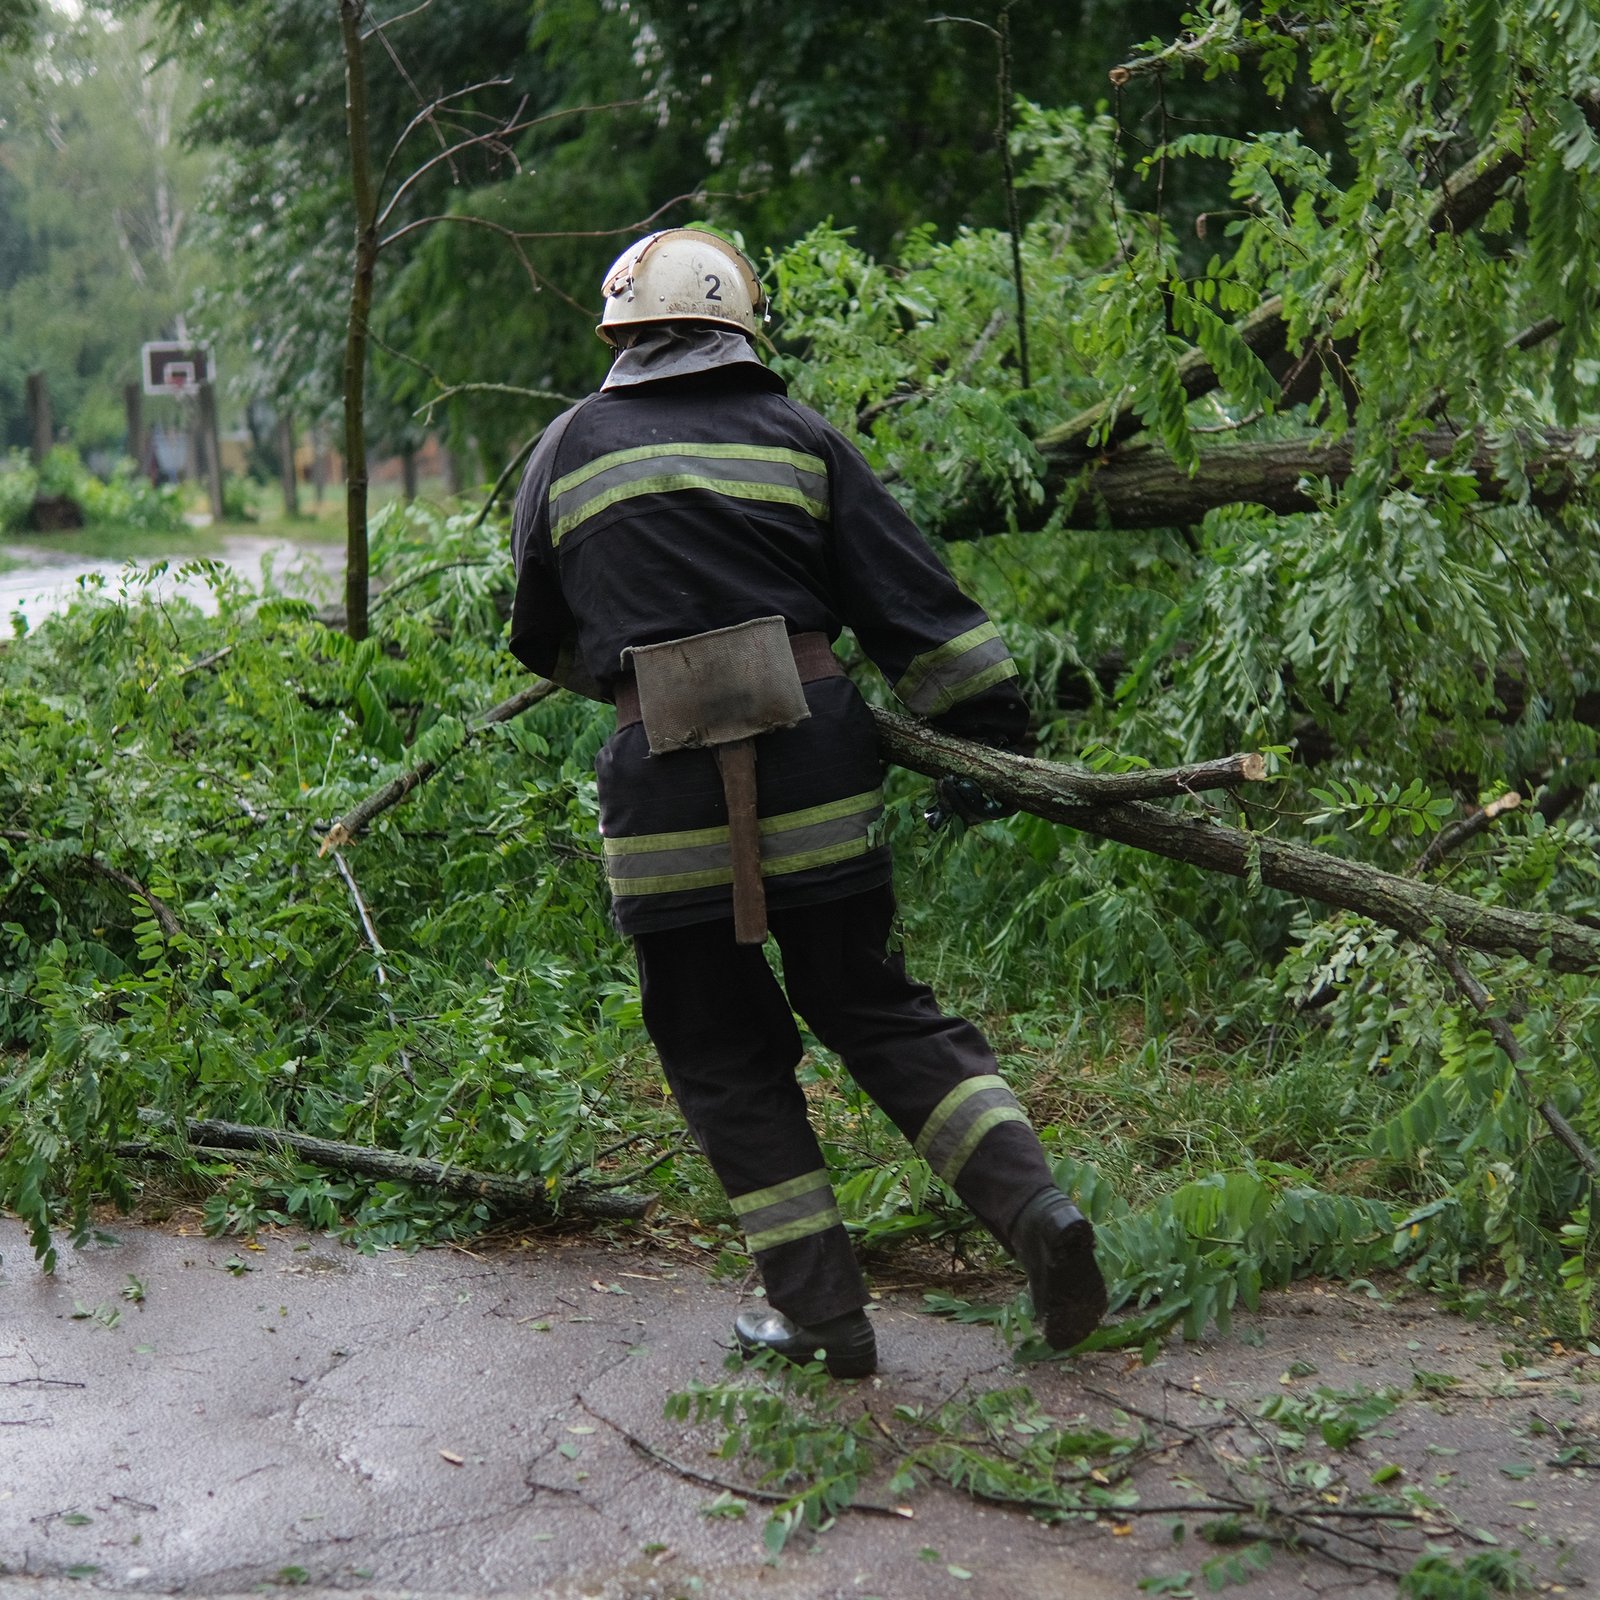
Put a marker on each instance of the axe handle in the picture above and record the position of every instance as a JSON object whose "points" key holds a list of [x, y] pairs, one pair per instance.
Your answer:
{"points": [[737, 763]]}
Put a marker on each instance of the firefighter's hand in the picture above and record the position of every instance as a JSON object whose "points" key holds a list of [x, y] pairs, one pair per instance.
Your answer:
{"points": [[961, 797]]}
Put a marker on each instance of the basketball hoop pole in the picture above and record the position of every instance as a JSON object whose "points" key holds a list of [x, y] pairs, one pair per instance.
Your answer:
{"points": [[208, 432]]}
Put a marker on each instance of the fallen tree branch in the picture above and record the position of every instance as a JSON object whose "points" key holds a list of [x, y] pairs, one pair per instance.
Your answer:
{"points": [[1461, 200], [1501, 1032], [1463, 829], [424, 573], [393, 792], [677, 1148], [1143, 487], [1401, 903], [95, 867], [506, 474], [375, 945], [641, 1447], [1031, 783], [521, 1196], [201, 665], [1105, 804]]}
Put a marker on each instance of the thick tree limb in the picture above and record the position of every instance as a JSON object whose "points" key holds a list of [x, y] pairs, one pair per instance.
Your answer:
{"points": [[523, 1196], [1101, 804], [393, 792], [1142, 487], [1411, 907], [1032, 784]]}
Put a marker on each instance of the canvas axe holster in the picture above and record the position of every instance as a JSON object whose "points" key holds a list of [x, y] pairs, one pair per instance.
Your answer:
{"points": [[720, 691]]}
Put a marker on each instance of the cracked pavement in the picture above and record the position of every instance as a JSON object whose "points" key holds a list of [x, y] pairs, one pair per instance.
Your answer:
{"points": [[293, 1415]]}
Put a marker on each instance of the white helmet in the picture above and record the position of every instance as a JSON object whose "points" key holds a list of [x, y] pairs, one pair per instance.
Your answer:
{"points": [[681, 275]]}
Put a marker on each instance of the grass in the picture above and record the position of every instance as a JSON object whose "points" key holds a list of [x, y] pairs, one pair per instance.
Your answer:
{"points": [[113, 542]]}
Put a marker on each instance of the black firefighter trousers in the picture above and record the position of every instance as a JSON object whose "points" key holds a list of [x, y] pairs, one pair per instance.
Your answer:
{"points": [[729, 1046]]}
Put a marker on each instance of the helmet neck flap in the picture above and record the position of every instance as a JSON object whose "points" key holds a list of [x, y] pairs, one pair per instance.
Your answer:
{"points": [[676, 349]]}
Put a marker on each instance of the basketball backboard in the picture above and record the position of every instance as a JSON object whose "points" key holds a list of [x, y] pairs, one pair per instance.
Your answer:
{"points": [[174, 369]]}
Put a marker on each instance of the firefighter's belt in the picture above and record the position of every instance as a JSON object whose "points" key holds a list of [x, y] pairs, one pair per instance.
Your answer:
{"points": [[720, 691]]}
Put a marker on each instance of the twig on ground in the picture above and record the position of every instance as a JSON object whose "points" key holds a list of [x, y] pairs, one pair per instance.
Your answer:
{"points": [[376, 946], [678, 1147], [872, 1508]]}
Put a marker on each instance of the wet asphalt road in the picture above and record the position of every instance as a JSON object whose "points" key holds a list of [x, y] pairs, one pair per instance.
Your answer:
{"points": [[297, 1417]]}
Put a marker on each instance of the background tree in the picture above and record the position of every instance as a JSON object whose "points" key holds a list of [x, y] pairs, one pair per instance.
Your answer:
{"points": [[97, 196], [718, 114], [18, 24]]}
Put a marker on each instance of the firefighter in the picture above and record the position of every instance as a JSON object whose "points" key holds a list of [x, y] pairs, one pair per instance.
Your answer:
{"points": [[686, 509]]}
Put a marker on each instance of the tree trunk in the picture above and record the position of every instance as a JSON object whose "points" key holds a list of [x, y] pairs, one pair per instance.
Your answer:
{"points": [[1142, 487], [286, 469], [355, 349], [408, 473], [319, 466], [41, 429], [133, 410]]}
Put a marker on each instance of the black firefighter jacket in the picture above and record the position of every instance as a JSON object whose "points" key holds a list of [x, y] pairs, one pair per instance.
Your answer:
{"points": [[660, 510]]}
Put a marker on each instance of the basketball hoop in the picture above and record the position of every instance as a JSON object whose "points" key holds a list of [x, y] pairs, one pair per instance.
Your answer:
{"points": [[175, 370]]}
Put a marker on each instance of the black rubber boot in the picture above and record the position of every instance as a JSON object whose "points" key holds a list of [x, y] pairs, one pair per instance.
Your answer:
{"points": [[846, 1344], [1054, 1241]]}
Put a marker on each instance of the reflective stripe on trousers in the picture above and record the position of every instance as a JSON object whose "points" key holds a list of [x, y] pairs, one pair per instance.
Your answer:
{"points": [[697, 858]]}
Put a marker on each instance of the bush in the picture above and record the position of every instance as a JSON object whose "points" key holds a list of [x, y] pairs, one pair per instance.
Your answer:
{"points": [[130, 500], [126, 500], [238, 499], [19, 483], [62, 473]]}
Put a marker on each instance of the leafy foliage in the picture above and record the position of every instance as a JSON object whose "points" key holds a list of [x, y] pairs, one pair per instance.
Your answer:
{"points": [[235, 978], [1000, 1446], [176, 946], [1479, 1576]]}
